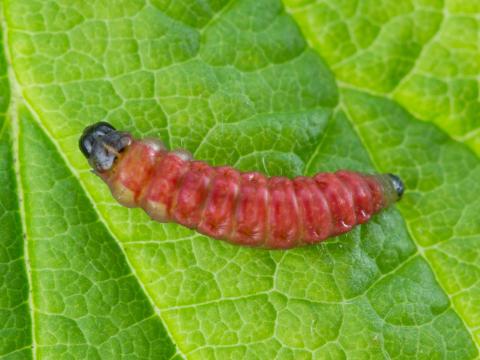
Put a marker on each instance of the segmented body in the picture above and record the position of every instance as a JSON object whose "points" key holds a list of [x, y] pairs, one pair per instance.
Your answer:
{"points": [[244, 208]]}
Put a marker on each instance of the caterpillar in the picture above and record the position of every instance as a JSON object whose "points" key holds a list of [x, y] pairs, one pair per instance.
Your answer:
{"points": [[244, 208]]}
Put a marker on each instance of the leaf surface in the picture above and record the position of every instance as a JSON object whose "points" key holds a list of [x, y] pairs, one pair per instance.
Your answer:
{"points": [[287, 89]]}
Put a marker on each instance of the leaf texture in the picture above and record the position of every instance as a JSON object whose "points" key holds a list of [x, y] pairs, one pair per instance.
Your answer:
{"points": [[284, 88]]}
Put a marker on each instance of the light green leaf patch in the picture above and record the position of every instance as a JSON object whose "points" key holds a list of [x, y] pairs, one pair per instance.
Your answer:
{"points": [[421, 53], [286, 89]]}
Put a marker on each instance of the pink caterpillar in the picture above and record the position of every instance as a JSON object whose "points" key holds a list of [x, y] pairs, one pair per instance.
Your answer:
{"points": [[221, 202]]}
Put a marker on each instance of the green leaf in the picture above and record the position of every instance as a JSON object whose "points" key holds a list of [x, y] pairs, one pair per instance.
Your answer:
{"points": [[287, 89]]}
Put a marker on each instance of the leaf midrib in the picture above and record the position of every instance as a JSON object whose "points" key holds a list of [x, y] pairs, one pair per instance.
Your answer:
{"points": [[16, 98], [10, 115]]}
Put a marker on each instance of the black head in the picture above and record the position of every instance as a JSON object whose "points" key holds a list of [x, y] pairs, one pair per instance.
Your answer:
{"points": [[91, 134], [101, 144], [397, 185]]}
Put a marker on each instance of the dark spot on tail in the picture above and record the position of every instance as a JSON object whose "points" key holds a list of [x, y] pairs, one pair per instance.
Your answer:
{"points": [[397, 185]]}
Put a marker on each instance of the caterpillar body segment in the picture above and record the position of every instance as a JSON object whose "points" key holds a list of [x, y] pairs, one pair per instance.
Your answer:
{"points": [[244, 208]]}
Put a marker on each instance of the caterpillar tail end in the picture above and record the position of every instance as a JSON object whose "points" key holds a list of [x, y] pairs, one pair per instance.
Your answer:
{"points": [[393, 188], [397, 184]]}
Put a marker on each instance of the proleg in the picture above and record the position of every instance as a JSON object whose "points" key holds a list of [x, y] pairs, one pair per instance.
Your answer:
{"points": [[244, 208]]}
